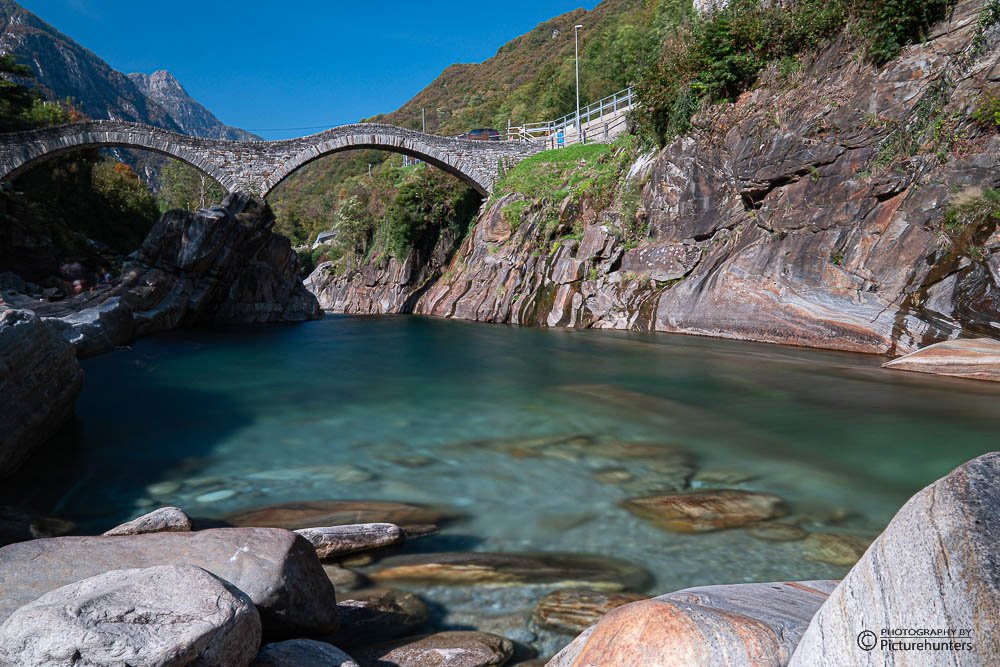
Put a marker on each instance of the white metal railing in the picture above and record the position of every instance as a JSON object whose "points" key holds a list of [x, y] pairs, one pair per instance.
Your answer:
{"points": [[567, 125]]}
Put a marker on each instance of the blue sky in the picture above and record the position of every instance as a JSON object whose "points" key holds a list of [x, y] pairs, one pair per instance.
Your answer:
{"points": [[262, 64]]}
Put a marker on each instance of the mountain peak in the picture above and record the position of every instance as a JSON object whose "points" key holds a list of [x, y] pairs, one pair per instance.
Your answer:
{"points": [[65, 69]]}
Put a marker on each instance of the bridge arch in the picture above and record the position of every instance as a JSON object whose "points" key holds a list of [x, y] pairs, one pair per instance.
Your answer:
{"points": [[22, 151], [464, 159], [258, 166]]}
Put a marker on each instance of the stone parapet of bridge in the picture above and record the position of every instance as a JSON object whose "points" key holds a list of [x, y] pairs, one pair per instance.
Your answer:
{"points": [[257, 167]]}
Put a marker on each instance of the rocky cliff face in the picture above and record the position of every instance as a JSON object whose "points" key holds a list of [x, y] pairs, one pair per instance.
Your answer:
{"points": [[211, 267], [40, 379], [387, 286], [64, 69], [809, 213]]}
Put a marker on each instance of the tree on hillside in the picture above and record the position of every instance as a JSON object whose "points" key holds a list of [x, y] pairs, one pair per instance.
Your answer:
{"points": [[16, 100], [183, 186]]}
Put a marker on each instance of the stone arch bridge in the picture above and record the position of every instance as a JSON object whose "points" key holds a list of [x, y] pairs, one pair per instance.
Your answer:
{"points": [[257, 167]]}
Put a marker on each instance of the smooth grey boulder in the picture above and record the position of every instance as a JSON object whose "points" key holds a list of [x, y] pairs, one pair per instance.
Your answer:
{"points": [[163, 520], [40, 379], [334, 541], [156, 617], [278, 569], [936, 566], [302, 653]]}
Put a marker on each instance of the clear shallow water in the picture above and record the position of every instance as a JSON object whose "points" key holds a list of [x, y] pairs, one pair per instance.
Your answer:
{"points": [[429, 411]]}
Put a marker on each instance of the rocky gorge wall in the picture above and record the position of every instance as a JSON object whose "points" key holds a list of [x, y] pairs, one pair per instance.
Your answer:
{"points": [[810, 212], [216, 266]]}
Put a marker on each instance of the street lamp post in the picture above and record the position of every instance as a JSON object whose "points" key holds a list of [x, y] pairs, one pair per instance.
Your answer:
{"points": [[576, 33]]}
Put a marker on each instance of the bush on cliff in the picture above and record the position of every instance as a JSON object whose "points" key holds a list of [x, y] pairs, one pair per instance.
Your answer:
{"points": [[716, 57]]}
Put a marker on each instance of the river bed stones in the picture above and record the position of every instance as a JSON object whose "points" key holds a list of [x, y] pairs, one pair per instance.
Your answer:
{"points": [[335, 541], [574, 611], [443, 649], [163, 520], [709, 510], [302, 653], [743, 624], [378, 615], [277, 569], [935, 566], [557, 570], [834, 548], [773, 531], [167, 615], [343, 578], [295, 516]]}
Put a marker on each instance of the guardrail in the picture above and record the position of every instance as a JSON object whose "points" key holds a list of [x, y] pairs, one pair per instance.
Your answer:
{"points": [[567, 125]]}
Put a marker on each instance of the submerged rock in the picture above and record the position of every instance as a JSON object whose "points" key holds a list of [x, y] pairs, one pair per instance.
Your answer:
{"points": [[703, 511], [834, 548], [561, 570], [770, 531], [574, 611], [278, 569], [167, 615], [743, 624], [40, 379], [935, 566], [378, 615], [18, 525], [977, 359], [335, 541], [295, 516], [444, 649], [163, 520], [344, 579], [302, 653]]}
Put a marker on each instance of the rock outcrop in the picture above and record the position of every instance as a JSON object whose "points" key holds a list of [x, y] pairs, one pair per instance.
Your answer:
{"points": [[933, 569], [163, 520], [744, 624], [798, 215], [977, 359], [210, 267], [40, 379], [278, 570], [170, 615], [387, 286]]}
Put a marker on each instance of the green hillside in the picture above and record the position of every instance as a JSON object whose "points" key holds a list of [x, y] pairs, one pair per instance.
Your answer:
{"points": [[530, 79]]}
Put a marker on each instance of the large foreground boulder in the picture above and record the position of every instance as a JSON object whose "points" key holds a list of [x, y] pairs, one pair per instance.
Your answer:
{"points": [[40, 379], [935, 568], [743, 624], [278, 569], [161, 616]]}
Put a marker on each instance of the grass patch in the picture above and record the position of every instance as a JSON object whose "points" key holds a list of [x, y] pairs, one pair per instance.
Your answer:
{"points": [[591, 172], [970, 219]]}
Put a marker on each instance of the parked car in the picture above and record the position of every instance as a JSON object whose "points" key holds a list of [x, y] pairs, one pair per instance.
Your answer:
{"points": [[482, 134]]}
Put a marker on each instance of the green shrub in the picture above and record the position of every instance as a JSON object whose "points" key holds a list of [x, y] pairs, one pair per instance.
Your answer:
{"points": [[987, 113], [969, 219], [716, 57]]}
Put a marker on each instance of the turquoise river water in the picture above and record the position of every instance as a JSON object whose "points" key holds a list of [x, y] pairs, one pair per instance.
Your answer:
{"points": [[428, 411]]}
